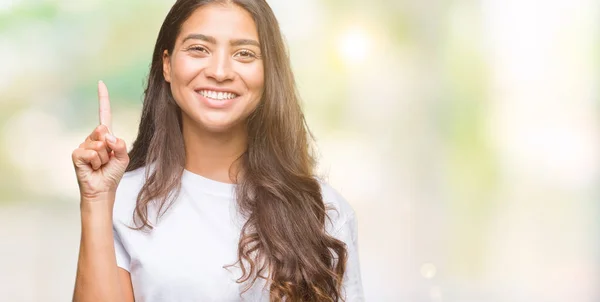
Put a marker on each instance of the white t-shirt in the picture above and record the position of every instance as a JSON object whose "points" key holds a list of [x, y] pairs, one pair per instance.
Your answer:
{"points": [[183, 257]]}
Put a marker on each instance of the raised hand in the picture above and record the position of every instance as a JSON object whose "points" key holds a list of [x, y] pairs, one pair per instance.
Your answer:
{"points": [[101, 160]]}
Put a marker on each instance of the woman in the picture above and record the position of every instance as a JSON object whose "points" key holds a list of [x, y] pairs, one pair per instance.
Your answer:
{"points": [[217, 200]]}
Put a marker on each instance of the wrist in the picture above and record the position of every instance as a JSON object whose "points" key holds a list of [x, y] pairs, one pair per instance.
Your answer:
{"points": [[96, 204], [98, 197]]}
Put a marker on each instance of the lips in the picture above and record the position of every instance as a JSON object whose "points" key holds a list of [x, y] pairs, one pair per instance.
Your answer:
{"points": [[215, 103], [217, 89]]}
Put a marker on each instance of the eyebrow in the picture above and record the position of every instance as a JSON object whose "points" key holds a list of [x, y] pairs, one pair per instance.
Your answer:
{"points": [[212, 40]]}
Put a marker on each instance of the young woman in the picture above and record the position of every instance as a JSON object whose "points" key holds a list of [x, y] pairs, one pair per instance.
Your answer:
{"points": [[217, 200]]}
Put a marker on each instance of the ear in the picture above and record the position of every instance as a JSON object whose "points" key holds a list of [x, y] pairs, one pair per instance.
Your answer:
{"points": [[167, 66]]}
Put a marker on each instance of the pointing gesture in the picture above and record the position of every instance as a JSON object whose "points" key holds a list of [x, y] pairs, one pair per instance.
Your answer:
{"points": [[101, 160], [104, 104]]}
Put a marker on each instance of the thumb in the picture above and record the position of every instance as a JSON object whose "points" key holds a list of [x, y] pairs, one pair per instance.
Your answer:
{"points": [[119, 147]]}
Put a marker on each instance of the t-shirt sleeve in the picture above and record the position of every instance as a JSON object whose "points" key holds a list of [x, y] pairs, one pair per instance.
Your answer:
{"points": [[123, 257], [352, 284]]}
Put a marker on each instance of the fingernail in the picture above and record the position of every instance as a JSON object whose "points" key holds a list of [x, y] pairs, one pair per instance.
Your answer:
{"points": [[111, 138]]}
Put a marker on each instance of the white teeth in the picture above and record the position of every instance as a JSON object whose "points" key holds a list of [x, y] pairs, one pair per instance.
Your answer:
{"points": [[217, 95]]}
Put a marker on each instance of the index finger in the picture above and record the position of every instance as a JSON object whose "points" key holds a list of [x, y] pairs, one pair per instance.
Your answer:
{"points": [[104, 103]]}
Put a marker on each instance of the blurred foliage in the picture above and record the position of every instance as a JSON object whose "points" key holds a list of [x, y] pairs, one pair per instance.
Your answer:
{"points": [[426, 149]]}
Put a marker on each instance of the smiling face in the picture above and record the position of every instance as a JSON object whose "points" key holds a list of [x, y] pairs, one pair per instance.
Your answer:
{"points": [[215, 71]]}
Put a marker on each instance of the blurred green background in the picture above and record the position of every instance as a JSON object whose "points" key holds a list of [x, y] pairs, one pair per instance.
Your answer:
{"points": [[465, 134]]}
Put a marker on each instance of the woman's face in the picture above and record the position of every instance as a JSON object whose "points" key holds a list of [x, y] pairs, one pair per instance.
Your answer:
{"points": [[216, 71]]}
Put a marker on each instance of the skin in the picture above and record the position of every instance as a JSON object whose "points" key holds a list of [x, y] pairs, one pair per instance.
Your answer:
{"points": [[100, 162], [217, 48], [214, 137]]}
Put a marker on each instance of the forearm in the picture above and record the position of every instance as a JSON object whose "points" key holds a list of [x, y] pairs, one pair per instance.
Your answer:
{"points": [[97, 272]]}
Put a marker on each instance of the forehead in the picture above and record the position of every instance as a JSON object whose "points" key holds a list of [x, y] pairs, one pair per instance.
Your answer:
{"points": [[222, 21]]}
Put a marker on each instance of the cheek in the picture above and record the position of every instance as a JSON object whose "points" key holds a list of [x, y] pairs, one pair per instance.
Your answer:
{"points": [[185, 69], [254, 78]]}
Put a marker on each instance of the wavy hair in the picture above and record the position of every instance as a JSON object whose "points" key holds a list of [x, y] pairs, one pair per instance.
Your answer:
{"points": [[283, 239]]}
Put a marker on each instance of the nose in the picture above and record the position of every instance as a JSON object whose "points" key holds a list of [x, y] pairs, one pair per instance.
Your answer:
{"points": [[219, 67]]}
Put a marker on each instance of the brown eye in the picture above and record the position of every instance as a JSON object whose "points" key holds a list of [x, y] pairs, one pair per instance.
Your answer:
{"points": [[198, 49], [245, 54]]}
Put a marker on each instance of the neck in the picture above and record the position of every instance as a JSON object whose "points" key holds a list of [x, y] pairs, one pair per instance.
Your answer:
{"points": [[213, 155]]}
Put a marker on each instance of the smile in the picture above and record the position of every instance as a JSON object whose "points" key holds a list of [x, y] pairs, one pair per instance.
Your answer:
{"points": [[217, 95]]}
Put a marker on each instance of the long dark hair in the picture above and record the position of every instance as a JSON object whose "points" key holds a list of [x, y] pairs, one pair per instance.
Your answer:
{"points": [[284, 239]]}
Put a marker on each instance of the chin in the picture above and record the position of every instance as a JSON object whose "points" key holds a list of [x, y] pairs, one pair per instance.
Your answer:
{"points": [[216, 126], [214, 121]]}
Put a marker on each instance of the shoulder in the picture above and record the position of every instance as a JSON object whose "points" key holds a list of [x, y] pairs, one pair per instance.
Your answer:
{"points": [[127, 192], [132, 178], [343, 226], [340, 212]]}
